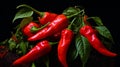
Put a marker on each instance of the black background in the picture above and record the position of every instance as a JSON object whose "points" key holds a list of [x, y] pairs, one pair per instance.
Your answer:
{"points": [[108, 11]]}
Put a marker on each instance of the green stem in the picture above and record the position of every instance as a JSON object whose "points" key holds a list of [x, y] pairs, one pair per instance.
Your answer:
{"points": [[35, 29], [53, 43], [69, 27], [38, 12], [33, 65], [83, 21], [17, 31], [75, 14]]}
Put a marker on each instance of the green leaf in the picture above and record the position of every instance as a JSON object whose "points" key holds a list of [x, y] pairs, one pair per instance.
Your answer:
{"points": [[70, 11], [23, 47], [12, 44], [76, 25], [22, 13], [104, 32], [97, 20], [24, 22], [83, 48], [73, 11], [31, 8], [72, 53]]}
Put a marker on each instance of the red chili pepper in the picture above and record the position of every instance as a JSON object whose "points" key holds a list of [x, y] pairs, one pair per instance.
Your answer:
{"points": [[90, 34], [47, 17], [42, 48], [57, 25], [27, 29], [66, 37]]}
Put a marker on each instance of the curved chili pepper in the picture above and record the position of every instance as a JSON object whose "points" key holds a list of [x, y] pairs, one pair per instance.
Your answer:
{"points": [[57, 25], [47, 17], [39, 50], [90, 34], [27, 29], [66, 37]]}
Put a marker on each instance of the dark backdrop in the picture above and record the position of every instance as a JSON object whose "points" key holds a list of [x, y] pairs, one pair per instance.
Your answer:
{"points": [[108, 11]]}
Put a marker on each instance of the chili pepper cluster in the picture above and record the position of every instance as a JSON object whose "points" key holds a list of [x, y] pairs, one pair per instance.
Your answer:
{"points": [[72, 27]]}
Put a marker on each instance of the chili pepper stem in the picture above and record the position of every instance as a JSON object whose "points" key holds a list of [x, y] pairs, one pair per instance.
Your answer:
{"points": [[17, 31], [35, 29], [82, 24], [53, 43], [69, 26], [83, 21], [75, 14]]}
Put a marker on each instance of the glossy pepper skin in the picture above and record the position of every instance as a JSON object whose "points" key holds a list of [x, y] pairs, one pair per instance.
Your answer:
{"points": [[42, 48], [27, 29], [90, 34], [57, 25], [47, 17], [64, 43]]}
